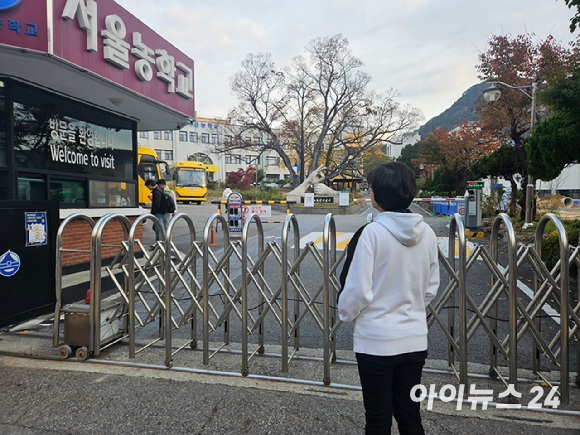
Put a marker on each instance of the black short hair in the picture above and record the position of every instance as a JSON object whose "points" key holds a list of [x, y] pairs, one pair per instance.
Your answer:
{"points": [[393, 185], [150, 182], [161, 181]]}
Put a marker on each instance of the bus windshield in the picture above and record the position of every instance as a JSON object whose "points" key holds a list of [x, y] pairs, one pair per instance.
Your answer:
{"points": [[190, 177]]}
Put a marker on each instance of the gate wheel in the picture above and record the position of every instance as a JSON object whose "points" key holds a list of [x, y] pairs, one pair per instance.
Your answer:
{"points": [[64, 351], [82, 353]]}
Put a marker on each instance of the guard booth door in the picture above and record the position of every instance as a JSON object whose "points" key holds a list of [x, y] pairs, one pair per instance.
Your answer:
{"points": [[27, 259]]}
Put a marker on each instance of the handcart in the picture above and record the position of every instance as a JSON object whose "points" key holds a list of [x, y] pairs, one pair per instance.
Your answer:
{"points": [[77, 327]]}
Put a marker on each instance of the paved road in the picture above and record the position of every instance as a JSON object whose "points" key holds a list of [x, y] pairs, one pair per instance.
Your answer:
{"points": [[63, 398]]}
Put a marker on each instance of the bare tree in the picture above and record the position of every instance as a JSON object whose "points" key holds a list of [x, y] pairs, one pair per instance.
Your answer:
{"points": [[317, 111], [555, 184]]}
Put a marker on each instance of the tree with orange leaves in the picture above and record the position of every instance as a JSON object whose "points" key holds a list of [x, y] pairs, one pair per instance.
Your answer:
{"points": [[455, 151], [517, 61]]}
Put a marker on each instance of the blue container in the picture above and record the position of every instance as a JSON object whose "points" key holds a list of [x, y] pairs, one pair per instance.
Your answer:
{"points": [[452, 207]]}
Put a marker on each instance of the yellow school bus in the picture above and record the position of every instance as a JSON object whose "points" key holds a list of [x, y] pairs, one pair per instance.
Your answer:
{"points": [[148, 167], [188, 180]]}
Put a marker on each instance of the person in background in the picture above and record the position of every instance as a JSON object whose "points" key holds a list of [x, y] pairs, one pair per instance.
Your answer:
{"points": [[156, 206], [161, 183], [393, 276], [226, 193]]}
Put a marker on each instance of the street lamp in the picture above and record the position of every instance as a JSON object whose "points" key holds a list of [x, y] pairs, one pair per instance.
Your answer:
{"points": [[493, 94]]}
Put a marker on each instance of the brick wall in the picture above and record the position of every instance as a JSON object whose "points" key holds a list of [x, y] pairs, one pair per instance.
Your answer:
{"points": [[77, 235]]}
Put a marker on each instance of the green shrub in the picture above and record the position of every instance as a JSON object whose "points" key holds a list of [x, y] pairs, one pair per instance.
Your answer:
{"points": [[489, 205], [263, 194], [551, 243]]}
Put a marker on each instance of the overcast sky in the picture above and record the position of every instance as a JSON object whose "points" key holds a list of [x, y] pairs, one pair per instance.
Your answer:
{"points": [[426, 49]]}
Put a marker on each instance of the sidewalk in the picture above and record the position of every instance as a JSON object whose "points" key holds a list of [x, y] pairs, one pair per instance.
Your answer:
{"points": [[112, 394]]}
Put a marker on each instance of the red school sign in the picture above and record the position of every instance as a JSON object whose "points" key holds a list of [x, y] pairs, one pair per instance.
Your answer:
{"points": [[104, 38]]}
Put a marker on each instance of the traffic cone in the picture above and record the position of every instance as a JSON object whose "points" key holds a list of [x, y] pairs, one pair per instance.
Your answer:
{"points": [[88, 297], [212, 242]]}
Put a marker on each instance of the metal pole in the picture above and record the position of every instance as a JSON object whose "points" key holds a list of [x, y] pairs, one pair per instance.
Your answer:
{"points": [[530, 188], [290, 219], [457, 228], [245, 330], [564, 304], [513, 287], [205, 289]]}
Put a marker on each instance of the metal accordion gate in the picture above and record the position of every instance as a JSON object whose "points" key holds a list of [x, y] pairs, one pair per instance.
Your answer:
{"points": [[225, 290]]}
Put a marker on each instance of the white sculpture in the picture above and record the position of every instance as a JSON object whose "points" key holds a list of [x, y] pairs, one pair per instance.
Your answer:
{"points": [[315, 179]]}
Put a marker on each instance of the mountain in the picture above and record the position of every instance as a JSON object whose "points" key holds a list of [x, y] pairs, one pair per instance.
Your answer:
{"points": [[463, 108]]}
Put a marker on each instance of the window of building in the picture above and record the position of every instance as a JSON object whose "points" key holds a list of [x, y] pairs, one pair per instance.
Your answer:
{"points": [[168, 135], [214, 138], [256, 140], [3, 185], [62, 143], [159, 154], [205, 138], [228, 138], [144, 134], [250, 160], [248, 139], [183, 136], [3, 158], [2, 127], [67, 191], [168, 155], [201, 157], [111, 194], [193, 136], [157, 135], [31, 187], [271, 161], [234, 158]]}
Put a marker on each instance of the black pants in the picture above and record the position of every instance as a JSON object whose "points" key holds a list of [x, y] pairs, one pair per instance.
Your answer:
{"points": [[386, 385]]}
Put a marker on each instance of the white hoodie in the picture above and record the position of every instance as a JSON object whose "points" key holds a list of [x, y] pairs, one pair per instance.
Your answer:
{"points": [[394, 274]]}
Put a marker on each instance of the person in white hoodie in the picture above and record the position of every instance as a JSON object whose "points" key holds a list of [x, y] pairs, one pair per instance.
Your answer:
{"points": [[393, 276]]}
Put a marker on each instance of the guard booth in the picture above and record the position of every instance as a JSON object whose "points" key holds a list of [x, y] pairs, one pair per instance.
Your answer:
{"points": [[473, 203], [27, 259], [234, 211]]}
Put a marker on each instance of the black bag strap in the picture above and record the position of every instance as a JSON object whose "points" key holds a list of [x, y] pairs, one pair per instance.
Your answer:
{"points": [[351, 247]]}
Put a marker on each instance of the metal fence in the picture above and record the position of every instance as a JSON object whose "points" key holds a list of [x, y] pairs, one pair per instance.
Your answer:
{"points": [[166, 287]]}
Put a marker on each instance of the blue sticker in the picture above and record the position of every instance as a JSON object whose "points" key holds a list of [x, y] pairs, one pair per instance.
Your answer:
{"points": [[9, 263], [7, 4]]}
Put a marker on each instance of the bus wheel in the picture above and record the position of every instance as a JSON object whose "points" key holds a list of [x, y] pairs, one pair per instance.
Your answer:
{"points": [[198, 202]]}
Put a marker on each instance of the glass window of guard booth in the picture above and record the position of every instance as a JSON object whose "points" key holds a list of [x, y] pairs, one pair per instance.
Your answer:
{"points": [[65, 139]]}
